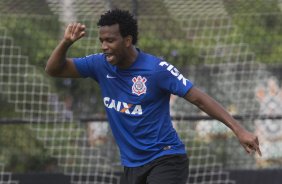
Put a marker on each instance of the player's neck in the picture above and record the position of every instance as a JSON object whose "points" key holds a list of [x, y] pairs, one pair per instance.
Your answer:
{"points": [[130, 58]]}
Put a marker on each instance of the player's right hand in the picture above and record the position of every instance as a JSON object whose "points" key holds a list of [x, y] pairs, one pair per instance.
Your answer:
{"points": [[74, 31], [249, 141]]}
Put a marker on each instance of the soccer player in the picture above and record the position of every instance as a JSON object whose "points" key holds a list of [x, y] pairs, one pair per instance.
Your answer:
{"points": [[136, 88]]}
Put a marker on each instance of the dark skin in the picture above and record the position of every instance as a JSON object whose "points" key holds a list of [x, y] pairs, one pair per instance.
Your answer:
{"points": [[121, 52]]}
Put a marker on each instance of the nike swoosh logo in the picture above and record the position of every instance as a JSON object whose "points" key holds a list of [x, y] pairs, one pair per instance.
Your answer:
{"points": [[110, 77]]}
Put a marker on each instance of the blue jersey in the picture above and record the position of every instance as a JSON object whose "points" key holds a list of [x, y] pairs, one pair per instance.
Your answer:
{"points": [[137, 104]]}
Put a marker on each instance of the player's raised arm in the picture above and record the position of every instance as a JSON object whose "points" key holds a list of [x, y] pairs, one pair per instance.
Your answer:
{"points": [[58, 65], [207, 104]]}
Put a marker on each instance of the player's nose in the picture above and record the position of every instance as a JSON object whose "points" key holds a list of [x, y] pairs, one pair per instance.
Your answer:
{"points": [[104, 46]]}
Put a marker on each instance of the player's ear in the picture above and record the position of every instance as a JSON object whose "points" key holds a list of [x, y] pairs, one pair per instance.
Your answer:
{"points": [[128, 40]]}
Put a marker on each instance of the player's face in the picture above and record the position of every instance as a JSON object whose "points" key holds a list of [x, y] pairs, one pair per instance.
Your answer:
{"points": [[113, 45]]}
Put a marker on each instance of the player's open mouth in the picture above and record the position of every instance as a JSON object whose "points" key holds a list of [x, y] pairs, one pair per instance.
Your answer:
{"points": [[109, 57]]}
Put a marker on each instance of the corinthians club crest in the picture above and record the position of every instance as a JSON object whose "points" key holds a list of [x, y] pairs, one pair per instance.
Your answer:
{"points": [[139, 86]]}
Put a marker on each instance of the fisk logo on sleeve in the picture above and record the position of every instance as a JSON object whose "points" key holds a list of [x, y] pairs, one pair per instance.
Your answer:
{"points": [[174, 72]]}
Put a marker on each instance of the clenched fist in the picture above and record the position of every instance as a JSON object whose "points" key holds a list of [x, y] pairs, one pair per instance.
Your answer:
{"points": [[74, 31]]}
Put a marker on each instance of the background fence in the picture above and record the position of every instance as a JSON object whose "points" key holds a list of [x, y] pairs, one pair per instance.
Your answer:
{"points": [[230, 49]]}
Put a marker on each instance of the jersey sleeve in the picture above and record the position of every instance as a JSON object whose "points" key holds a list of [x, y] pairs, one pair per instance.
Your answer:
{"points": [[171, 80], [88, 66]]}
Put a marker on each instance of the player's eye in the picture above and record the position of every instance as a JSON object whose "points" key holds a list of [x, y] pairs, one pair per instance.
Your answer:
{"points": [[110, 40]]}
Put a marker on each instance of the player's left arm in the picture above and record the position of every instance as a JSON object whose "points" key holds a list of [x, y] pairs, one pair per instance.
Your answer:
{"points": [[210, 106]]}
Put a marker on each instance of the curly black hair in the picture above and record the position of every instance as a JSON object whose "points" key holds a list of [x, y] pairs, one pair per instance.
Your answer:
{"points": [[127, 23]]}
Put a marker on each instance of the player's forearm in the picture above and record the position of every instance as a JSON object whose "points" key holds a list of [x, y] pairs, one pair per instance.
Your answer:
{"points": [[213, 109], [57, 60], [216, 111]]}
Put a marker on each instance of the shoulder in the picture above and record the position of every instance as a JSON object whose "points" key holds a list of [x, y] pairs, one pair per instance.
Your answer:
{"points": [[95, 57], [157, 62], [90, 58], [151, 61], [90, 64]]}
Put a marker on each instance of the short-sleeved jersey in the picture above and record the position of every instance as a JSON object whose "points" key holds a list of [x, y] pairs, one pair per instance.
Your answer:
{"points": [[137, 104]]}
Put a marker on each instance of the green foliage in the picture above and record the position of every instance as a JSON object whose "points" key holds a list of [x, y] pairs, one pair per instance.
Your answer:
{"points": [[251, 6], [259, 25], [165, 38], [35, 35], [7, 110], [175, 51], [20, 151], [24, 7]]}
